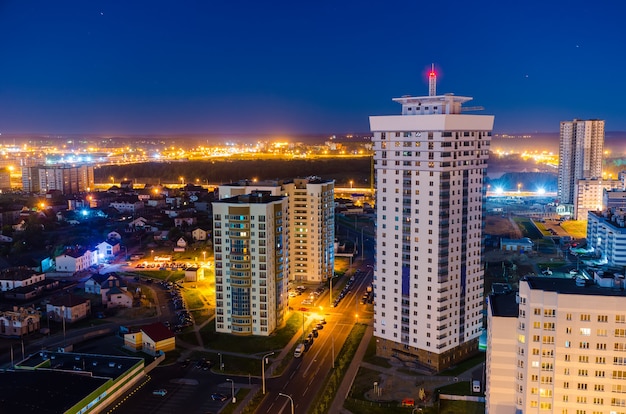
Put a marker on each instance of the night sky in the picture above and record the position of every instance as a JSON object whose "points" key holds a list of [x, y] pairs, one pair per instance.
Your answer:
{"points": [[295, 67]]}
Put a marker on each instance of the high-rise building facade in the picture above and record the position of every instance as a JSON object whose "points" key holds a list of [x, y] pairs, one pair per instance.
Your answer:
{"points": [[250, 249], [429, 164], [569, 347], [311, 225], [581, 146]]}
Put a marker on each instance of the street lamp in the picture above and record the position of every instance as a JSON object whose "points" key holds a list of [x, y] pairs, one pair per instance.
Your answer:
{"points": [[357, 318], [351, 182], [519, 187], [63, 320], [204, 256], [152, 253], [232, 383], [182, 181], [290, 399], [263, 369], [221, 363]]}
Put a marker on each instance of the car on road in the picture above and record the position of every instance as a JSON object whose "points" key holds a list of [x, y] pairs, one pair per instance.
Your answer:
{"points": [[319, 326], [299, 351], [216, 396], [323, 321], [315, 332], [475, 386], [160, 392]]}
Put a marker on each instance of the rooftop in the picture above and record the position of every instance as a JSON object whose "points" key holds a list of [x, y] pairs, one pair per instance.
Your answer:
{"points": [[571, 287], [504, 305]]}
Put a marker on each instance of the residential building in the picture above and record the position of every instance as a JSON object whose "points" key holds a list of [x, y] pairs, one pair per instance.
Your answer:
{"points": [[606, 234], [151, 339], [76, 260], [581, 147], [589, 195], [128, 205], [502, 313], [613, 198], [251, 270], [16, 277], [199, 234], [108, 249], [70, 307], [19, 321], [69, 179], [312, 222], [428, 282], [568, 357]]}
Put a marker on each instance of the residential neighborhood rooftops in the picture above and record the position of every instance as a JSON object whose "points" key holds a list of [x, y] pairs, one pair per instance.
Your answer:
{"points": [[157, 331]]}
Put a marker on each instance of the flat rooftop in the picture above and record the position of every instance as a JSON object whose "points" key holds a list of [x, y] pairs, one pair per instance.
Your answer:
{"points": [[504, 305], [569, 286], [105, 366], [43, 391]]}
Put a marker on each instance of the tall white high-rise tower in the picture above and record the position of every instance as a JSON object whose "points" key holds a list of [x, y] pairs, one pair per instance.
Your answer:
{"points": [[581, 146], [429, 162]]}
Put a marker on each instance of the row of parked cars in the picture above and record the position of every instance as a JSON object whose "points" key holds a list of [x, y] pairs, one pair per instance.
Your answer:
{"points": [[345, 290], [306, 344]]}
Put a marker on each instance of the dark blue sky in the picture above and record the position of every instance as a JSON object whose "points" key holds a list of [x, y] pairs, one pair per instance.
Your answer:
{"points": [[227, 66]]}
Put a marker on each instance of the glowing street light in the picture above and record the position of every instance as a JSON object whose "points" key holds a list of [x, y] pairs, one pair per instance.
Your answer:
{"points": [[263, 369], [519, 187], [232, 389], [351, 182], [182, 181], [290, 399]]}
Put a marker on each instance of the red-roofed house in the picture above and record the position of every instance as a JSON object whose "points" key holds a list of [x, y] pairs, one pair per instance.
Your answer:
{"points": [[151, 339]]}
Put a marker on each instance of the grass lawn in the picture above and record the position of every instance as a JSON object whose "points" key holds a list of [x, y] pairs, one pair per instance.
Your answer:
{"points": [[575, 228], [342, 264], [252, 344], [192, 298], [466, 407], [363, 382], [241, 394]]}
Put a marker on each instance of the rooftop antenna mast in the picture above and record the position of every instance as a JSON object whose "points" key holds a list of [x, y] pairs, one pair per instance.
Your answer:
{"points": [[432, 81]]}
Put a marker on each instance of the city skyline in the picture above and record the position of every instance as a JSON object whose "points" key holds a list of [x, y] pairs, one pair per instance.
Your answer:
{"points": [[160, 68]]}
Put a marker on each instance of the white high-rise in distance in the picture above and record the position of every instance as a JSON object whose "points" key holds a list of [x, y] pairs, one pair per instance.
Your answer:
{"points": [[581, 145], [429, 162]]}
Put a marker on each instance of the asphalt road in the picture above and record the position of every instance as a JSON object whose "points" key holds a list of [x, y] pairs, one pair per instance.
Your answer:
{"points": [[304, 377]]}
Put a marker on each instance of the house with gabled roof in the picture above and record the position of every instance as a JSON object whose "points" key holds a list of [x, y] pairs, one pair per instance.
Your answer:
{"points": [[67, 306], [151, 339], [199, 234], [76, 260], [108, 249]]}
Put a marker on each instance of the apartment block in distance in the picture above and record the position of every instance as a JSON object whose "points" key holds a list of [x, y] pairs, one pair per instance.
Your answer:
{"points": [[570, 348], [581, 147], [251, 270], [429, 162], [68, 179], [312, 222]]}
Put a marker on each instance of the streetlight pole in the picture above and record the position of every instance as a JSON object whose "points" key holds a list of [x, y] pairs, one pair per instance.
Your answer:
{"points": [[221, 363], [63, 320], [232, 389], [263, 369], [290, 399], [362, 245]]}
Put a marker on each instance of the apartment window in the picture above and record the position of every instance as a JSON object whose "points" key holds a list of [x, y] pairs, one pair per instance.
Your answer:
{"points": [[585, 317]]}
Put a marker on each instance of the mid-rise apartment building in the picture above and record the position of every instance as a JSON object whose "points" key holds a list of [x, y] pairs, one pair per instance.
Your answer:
{"points": [[570, 348], [311, 226], [251, 271], [69, 179], [429, 162], [606, 234]]}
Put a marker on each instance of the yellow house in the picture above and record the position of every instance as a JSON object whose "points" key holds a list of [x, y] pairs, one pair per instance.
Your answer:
{"points": [[151, 339]]}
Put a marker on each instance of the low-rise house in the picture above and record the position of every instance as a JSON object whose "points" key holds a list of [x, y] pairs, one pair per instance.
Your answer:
{"points": [[182, 243], [19, 321], [76, 260], [516, 245], [139, 223], [194, 274], [199, 234], [151, 339], [108, 249], [19, 277], [129, 205], [70, 307], [117, 298], [184, 221]]}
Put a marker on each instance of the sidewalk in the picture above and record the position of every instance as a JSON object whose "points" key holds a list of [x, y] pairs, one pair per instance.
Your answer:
{"points": [[348, 379]]}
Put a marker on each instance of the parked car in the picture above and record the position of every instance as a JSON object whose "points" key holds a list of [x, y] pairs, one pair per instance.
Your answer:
{"points": [[216, 396], [160, 392]]}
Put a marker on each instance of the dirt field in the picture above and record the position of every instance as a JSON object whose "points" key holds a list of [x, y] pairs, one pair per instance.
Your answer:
{"points": [[501, 226]]}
